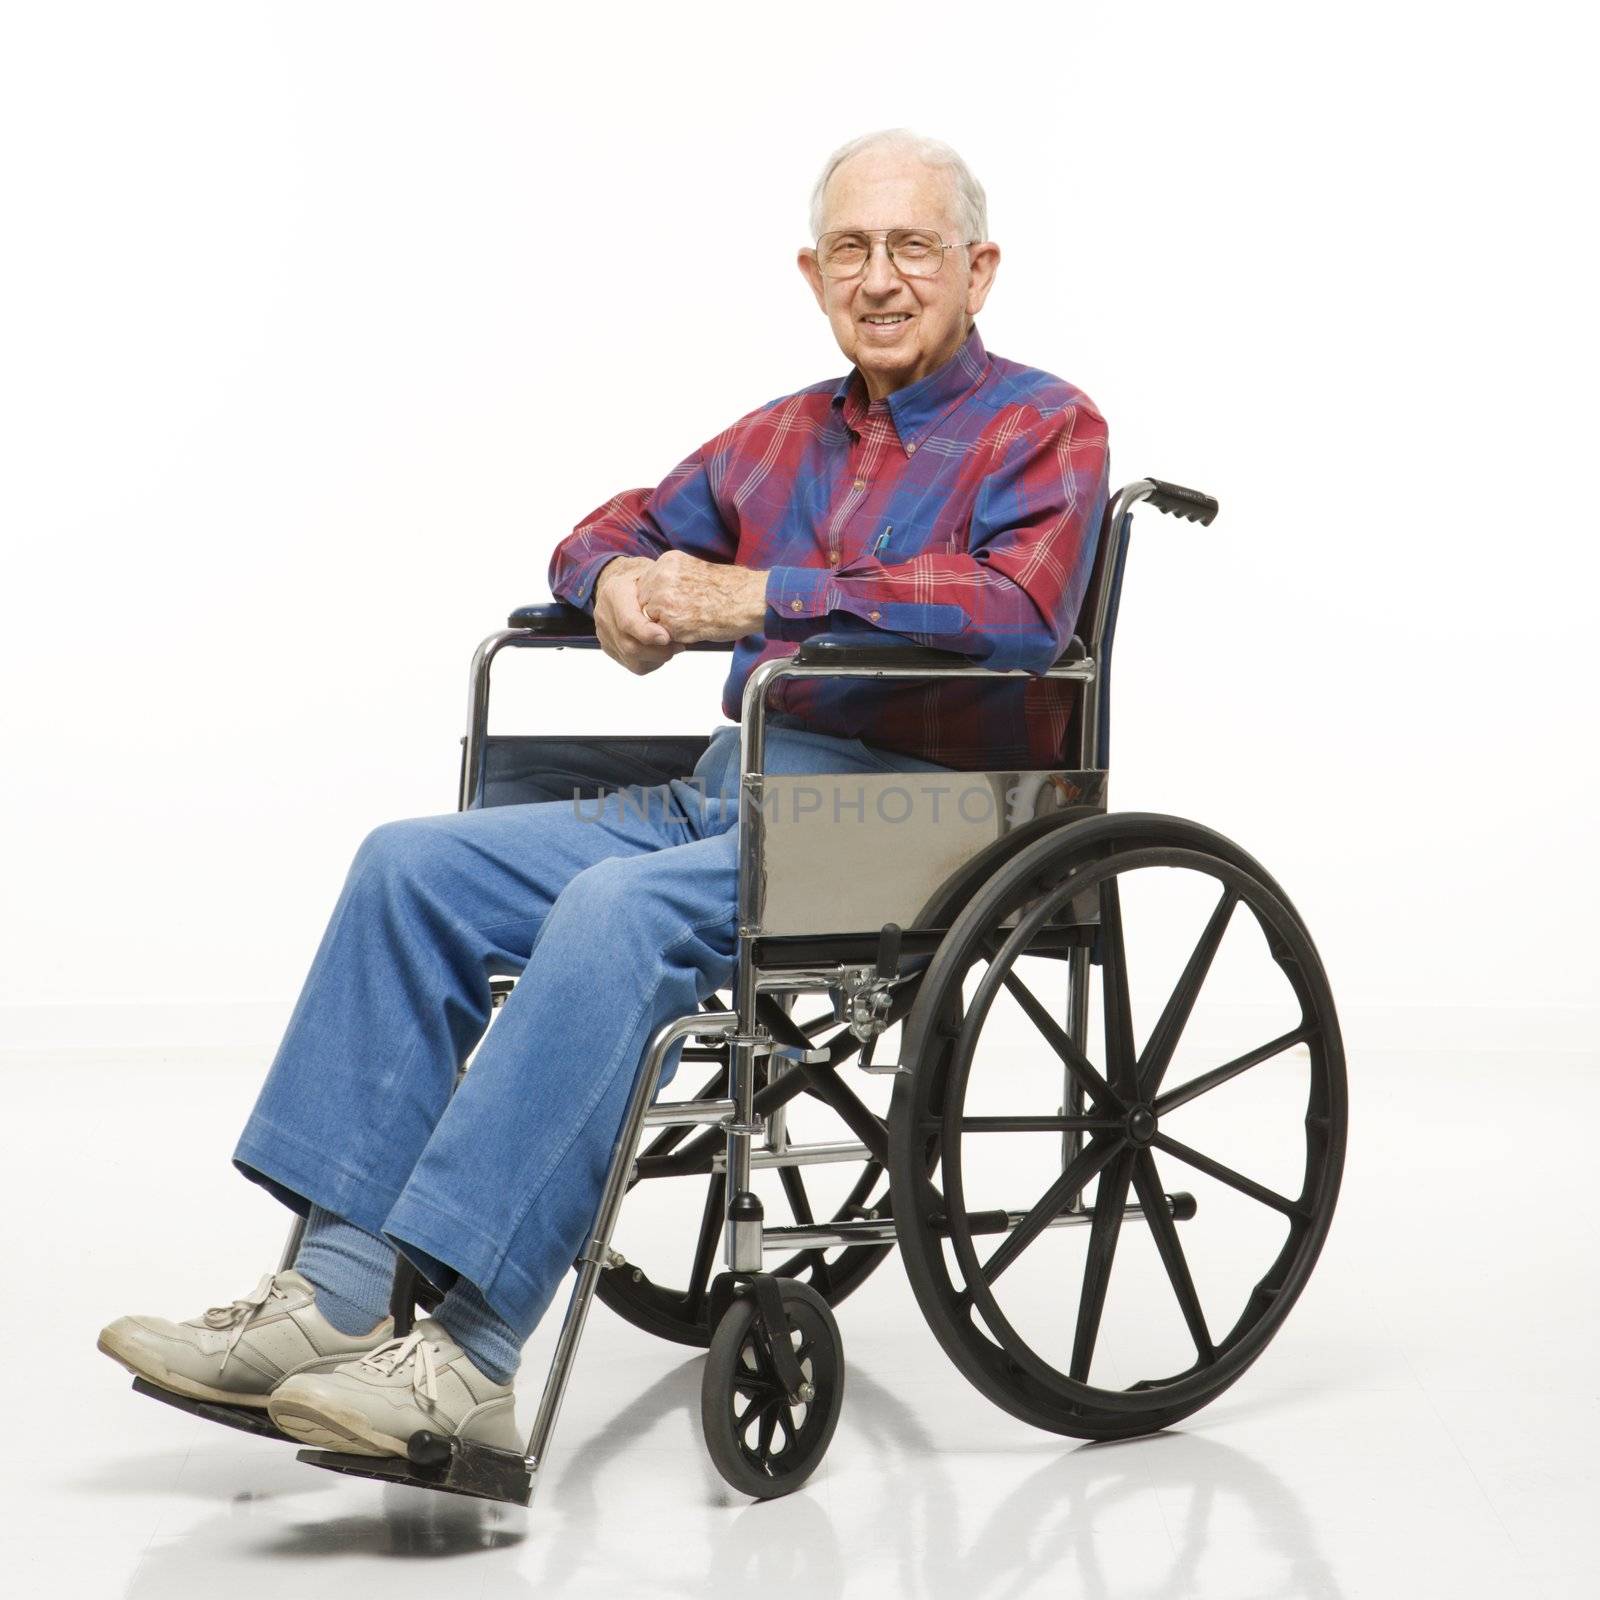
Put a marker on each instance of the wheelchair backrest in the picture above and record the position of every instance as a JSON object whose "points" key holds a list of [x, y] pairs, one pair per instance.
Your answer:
{"points": [[1097, 626], [1097, 618]]}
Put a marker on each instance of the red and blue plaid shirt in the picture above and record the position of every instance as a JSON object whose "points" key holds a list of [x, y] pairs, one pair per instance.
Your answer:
{"points": [[961, 512]]}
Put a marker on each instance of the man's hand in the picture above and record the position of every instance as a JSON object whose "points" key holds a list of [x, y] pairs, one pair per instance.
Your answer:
{"points": [[626, 634], [696, 600]]}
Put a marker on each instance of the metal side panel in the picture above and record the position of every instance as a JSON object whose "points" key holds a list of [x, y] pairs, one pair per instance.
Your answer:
{"points": [[848, 852]]}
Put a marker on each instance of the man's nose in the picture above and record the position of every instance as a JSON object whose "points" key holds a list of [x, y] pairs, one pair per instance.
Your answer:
{"points": [[881, 276]]}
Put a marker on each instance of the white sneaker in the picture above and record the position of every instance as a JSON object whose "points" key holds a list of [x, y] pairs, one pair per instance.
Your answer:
{"points": [[239, 1353], [372, 1406]]}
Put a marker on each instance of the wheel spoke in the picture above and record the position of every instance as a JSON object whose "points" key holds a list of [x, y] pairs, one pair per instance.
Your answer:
{"points": [[1037, 1124], [1174, 1017], [825, 1084], [705, 1246], [764, 1368], [799, 1203], [795, 1193], [1234, 1180], [1094, 1155], [1109, 1203], [1120, 1056], [769, 1422], [1207, 1081], [1075, 1061], [1153, 1200]]}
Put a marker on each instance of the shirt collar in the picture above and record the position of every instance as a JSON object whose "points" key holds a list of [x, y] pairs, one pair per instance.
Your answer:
{"points": [[918, 409]]}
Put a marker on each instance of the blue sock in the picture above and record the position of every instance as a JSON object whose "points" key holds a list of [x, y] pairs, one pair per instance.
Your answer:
{"points": [[351, 1270], [493, 1346]]}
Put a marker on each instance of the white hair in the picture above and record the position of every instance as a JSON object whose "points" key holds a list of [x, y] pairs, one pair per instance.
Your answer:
{"points": [[969, 206]]}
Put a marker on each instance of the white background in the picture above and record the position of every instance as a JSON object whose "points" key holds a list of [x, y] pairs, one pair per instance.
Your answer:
{"points": [[324, 322], [320, 323]]}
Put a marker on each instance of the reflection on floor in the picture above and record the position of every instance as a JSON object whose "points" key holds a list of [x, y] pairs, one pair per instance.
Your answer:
{"points": [[1425, 1425]]}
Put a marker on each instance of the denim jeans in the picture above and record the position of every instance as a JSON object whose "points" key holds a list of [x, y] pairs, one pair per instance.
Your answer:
{"points": [[618, 917]]}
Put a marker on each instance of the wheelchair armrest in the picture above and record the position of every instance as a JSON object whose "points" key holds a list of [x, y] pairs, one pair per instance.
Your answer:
{"points": [[886, 650], [556, 622], [555, 619]]}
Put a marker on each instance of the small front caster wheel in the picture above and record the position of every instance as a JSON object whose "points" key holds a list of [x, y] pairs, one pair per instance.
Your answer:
{"points": [[764, 1441]]}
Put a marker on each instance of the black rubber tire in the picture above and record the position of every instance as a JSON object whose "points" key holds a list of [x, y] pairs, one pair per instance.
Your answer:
{"points": [[937, 1054], [737, 1365]]}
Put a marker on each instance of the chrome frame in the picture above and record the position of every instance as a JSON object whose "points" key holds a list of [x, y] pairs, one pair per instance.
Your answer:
{"points": [[297, 1232], [747, 1241], [840, 1235]]}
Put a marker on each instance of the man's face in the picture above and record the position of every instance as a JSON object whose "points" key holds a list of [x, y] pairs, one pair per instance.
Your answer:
{"points": [[898, 329]]}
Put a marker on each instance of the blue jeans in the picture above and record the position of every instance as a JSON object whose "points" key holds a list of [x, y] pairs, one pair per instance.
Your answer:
{"points": [[618, 918]]}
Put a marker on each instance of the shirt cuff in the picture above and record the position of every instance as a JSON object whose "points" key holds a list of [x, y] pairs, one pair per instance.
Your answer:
{"points": [[577, 582], [796, 595]]}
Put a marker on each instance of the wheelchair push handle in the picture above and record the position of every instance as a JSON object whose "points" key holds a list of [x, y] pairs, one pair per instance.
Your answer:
{"points": [[1177, 501]]}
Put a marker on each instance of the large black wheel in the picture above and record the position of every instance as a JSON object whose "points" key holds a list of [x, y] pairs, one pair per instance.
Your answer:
{"points": [[1119, 1312], [673, 1302], [763, 1442]]}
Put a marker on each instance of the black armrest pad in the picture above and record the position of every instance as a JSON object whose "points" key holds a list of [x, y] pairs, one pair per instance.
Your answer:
{"points": [[885, 650], [555, 618]]}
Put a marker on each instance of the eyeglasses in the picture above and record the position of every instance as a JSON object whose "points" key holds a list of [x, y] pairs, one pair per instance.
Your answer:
{"points": [[915, 252]]}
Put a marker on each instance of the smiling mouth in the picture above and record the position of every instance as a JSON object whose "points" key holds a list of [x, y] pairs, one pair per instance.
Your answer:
{"points": [[886, 319]]}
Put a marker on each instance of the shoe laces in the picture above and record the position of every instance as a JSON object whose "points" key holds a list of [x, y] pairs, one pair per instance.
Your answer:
{"points": [[417, 1351], [238, 1315]]}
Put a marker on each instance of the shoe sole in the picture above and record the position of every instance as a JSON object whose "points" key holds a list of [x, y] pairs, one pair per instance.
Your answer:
{"points": [[333, 1428], [144, 1364]]}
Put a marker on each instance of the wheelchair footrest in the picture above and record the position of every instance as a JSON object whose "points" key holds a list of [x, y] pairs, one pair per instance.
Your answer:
{"points": [[247, 1419], [450, 1465]]}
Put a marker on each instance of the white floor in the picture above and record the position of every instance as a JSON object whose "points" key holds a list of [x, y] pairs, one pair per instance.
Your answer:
{"points": [[1427, 1424]]}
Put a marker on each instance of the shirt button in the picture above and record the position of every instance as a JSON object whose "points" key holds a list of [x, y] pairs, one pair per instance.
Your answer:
{"points": [[911, 449], [794, 605], [833, 560], [874, 616], [860, 483]]}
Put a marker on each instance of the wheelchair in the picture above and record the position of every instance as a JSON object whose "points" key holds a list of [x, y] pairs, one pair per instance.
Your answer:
{"points": [[1018, 1147]]}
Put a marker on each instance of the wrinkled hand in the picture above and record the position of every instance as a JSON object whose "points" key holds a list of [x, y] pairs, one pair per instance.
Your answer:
{"points": [[626, 634], [697, 600]]}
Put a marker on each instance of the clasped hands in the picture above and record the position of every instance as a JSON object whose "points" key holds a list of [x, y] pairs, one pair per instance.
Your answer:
{"points": [[646, 611]]}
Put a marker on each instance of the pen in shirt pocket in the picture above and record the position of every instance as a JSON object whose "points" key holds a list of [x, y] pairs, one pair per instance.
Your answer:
{"points": [[881, 540]]}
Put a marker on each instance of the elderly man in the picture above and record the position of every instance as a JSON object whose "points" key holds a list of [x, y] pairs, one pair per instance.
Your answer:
{"points": [[937, 493]]}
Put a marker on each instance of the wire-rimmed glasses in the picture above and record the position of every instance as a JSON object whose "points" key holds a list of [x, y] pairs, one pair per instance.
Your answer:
{"points": [[914, 252]]}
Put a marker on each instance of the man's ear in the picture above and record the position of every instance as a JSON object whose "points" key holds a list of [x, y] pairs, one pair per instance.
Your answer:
{"points": [[985, 261], [806, 260]]}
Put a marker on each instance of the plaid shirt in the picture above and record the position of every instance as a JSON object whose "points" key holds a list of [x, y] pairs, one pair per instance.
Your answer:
{"points": [[961, 512]]}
